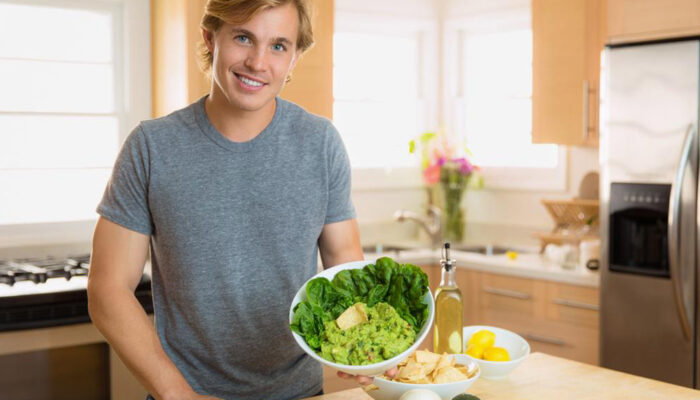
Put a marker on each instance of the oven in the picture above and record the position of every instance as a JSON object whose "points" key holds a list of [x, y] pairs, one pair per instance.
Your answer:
{"points": [[48, 347]]}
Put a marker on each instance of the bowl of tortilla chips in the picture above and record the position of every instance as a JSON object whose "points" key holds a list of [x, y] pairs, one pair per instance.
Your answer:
{"points": [[447, 375], [404, 284]]}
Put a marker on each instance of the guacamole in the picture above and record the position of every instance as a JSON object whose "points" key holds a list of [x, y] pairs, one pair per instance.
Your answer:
{"points": [[383, 336]]}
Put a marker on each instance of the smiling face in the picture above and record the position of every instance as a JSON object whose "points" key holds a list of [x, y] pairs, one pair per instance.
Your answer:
{"points": [[251, 61]]}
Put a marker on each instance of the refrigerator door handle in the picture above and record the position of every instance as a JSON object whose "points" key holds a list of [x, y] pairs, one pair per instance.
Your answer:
{"points": [[674, 214]]}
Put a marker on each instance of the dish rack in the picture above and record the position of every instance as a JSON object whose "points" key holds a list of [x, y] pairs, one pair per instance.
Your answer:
{"points": [[575, 220]]}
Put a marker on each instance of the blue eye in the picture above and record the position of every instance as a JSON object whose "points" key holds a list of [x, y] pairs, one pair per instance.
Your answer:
{"points": [[279, 47], [242, 39]]}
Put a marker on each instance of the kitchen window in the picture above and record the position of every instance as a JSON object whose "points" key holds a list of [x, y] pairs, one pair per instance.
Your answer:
{"points": [[492, 101], [75, 80], [394, 79], [384, 88]]}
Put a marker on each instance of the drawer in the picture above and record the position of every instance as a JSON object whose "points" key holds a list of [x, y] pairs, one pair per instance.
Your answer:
{"points": [[577, 305], [505, 297], [558, 339], [574, 343]]}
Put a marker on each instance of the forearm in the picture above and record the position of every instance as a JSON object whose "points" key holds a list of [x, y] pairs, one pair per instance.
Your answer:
{"points": [[333, 258], [120, 318], [340, 243]]}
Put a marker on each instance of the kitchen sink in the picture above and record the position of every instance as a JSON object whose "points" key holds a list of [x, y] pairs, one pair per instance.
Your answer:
{"points": [[384, 248], [487, 250]]}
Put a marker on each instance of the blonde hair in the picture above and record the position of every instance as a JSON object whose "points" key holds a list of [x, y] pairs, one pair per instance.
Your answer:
{"points": [[236, 12]]}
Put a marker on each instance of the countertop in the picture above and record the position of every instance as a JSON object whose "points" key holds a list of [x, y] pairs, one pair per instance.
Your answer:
{"points": [[528, 264], [545, 377]]}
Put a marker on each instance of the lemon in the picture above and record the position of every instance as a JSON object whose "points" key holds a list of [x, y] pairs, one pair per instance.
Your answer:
{"points": [[483, 338], [475, 351], [496, 354]]}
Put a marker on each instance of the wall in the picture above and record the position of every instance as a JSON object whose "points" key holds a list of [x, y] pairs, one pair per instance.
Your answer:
{"points": [[312, 79], [492, 207]]}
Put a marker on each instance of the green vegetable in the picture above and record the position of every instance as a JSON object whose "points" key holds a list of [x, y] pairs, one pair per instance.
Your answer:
{"points": [[384, 336], [400, 285], [465, 396]]}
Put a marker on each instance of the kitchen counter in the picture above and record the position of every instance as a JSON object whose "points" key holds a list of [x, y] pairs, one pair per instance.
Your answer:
{"points": [[527, 265], [544, 377]]}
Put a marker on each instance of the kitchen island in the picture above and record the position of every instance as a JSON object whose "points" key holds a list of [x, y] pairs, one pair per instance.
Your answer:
{"points": [[544, 377]]}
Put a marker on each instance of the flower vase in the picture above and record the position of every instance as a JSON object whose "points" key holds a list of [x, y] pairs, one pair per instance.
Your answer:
{"points": [[453, 212]]}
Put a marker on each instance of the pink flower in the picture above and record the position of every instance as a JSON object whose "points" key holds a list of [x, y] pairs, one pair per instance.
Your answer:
{"points": [[431, 174], [465, 167]]}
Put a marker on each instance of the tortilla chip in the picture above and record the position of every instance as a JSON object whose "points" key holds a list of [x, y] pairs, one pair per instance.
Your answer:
{"points": [[370, 387], [412, 371], [354, 315], [449, 374], [425, 367], [426, 357], [444, 361]]}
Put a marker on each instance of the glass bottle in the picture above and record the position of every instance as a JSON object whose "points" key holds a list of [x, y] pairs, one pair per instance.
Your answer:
{"points": [[448, 309]]}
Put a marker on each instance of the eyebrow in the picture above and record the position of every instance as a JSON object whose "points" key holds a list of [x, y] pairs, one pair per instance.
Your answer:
{"points": [[252, 35]]}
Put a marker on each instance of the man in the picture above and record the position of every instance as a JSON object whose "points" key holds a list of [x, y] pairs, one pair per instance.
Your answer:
{"points": [[234, 194]]}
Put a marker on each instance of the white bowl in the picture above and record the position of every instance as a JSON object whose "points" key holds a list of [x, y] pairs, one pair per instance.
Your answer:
{"points": [[390, 390], [517, 347], [371, 369]]}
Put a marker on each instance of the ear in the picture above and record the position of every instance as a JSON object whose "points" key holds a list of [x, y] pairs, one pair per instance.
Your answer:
{"points": [[297, 56], [208, 38]]}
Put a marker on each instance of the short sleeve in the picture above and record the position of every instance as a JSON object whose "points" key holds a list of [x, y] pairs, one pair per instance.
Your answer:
{"points": [[125, 200], [340, 207]]}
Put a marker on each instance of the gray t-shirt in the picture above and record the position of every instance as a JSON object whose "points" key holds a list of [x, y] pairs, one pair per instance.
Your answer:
{"points": [[234, 230]]}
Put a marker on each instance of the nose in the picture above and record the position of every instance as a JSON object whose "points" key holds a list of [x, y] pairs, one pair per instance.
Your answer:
{"points": [[255, 59]]}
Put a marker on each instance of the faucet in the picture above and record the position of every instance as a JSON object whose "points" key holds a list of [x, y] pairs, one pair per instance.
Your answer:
{"points": [[432, 223]]}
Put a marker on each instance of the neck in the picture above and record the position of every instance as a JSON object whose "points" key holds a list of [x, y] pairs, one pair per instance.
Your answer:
{"points": [[234, 123]]}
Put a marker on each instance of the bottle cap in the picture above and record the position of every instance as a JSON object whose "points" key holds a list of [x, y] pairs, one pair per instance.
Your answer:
{"points": [[447, 262]]}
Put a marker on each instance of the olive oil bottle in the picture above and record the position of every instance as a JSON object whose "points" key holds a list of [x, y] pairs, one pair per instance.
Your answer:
{"points": [[448, 309]]}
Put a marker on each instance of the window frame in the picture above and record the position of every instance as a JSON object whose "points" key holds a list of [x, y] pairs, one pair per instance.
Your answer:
{"points": [[132, 61]]}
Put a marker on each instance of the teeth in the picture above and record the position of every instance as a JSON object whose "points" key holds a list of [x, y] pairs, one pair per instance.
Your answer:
{"points": [[249, 82]]}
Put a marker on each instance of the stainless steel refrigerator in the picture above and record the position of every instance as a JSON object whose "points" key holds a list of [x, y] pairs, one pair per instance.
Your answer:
{"points": [[649, 210]]}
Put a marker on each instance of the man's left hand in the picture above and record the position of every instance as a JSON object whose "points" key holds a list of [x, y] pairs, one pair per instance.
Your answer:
{"points": [[366, 380]]}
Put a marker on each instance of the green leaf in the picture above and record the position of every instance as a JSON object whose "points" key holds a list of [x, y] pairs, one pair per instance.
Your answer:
{"points": [[427, 137], [412, 146]]}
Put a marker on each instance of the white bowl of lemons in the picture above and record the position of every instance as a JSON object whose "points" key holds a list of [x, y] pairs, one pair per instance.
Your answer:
{"points": [[497, 351]]}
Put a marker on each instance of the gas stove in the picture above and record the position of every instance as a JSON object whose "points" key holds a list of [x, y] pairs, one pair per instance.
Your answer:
{"points": [[41, 270], [42, 292]]}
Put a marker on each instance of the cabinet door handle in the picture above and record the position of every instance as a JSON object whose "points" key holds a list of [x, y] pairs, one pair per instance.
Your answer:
{"points": [[585, 110], [575, 304], [507, 293], [543, 339]]}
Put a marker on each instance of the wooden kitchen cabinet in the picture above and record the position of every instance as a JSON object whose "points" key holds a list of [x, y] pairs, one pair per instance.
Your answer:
{"points": [[555, 318], [643, 20], [567, 42]]}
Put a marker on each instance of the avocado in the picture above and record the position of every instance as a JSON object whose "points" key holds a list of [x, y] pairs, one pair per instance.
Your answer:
{"points": [[465, 396]]}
